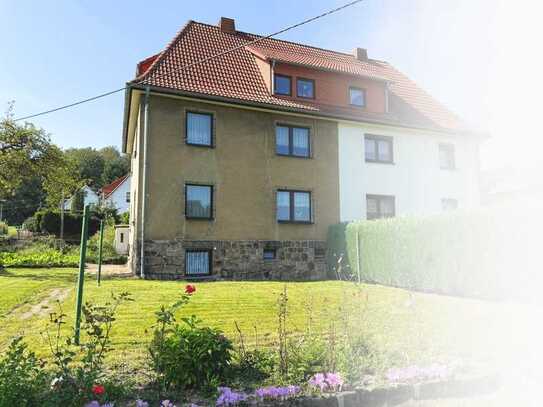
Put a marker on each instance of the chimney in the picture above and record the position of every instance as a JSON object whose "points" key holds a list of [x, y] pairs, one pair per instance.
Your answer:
{"points": [[361, 54], [227, 25]]}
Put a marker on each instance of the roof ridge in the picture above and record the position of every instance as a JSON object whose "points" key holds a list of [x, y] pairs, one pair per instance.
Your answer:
{"points": [[286, 41]]}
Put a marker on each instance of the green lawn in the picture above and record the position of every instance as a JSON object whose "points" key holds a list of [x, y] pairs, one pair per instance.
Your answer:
{"points": [[415, 328]]}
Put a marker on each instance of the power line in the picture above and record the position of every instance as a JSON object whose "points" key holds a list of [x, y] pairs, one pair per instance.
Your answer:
{"points": [[309, 20]]}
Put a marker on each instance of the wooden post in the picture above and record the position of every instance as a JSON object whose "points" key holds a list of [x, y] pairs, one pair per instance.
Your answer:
{"points": [[81, 277], [99, 273]]}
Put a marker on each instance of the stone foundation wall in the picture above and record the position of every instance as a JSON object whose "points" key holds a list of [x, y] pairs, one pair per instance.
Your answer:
{"points": [[235, 260]]}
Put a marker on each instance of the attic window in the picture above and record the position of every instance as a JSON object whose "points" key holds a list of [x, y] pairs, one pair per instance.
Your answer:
{"points": [[357, 97], [282, 85], [305, 88]]}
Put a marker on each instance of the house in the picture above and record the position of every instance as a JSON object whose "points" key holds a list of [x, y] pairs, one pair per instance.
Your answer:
{"points": [[117, 194], [242, 162], [90, 198]]}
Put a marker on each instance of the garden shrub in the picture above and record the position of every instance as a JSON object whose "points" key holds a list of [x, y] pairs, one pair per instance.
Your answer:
{"points": [[22, 376], [109, 255], [48, 221], [459, 253], [31, 224], [188, 355]]}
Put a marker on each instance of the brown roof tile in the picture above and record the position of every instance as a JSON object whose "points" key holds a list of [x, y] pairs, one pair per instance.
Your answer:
{"points": [[237, 76]]}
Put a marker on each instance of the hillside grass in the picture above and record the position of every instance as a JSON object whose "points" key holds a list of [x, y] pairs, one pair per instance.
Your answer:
{"points": [[410, 327]]}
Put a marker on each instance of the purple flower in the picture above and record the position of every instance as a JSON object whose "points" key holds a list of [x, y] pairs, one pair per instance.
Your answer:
{"points": [[334, 380], [227, 397], [141, 403], [318, 381], [167, 403], [93, 403]]}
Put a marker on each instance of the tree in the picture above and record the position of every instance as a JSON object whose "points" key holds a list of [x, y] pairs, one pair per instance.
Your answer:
{"points": [[89, 165], [28, 197], [26, 152], [115, 164], [78, 201]]}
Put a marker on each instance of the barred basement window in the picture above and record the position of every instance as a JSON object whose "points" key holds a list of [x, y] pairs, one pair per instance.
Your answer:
{"points": [[269, 254], [198, 262]]}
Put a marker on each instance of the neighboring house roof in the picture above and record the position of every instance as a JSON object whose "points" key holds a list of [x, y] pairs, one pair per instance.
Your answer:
{"points": [[108, 189], [236, 76]]}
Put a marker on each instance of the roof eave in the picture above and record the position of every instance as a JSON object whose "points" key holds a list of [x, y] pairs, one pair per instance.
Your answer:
{"points": [[324, 115]]}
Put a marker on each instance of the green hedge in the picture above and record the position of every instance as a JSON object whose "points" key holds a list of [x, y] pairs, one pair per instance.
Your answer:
{"points": [[48, 221], [477, 254]]}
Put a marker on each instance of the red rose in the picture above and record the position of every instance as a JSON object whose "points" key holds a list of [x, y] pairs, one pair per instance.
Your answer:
{"points": [[189, 289], [98, 389]]}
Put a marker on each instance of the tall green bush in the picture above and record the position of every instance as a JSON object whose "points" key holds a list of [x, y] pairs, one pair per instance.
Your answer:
{"points": [[477, 253], [3, 228]]}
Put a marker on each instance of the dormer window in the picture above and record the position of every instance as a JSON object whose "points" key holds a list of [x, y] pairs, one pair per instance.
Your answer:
{"points": [[357, 97], [305, 88], [282, 85]]}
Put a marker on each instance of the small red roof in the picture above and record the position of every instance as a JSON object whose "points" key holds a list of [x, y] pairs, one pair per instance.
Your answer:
{"points": [[236, 76], [106, 190]]}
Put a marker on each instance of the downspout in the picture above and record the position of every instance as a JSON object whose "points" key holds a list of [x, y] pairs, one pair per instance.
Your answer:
{"points": [[272, 74], [386, 97], [144, 179]]}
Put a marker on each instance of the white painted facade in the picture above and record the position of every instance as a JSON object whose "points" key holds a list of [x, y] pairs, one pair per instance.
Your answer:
{"points": [[120, 197], [91, 198], [414, 178]]}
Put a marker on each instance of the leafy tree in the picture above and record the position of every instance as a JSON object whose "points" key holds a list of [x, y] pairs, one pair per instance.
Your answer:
{"points": [[89, 165], [115, 164], [78, 201], [25, 152], [28, 197]]}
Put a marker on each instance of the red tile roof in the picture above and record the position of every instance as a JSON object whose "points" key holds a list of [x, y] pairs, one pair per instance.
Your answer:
{"points": [[237, 76], [106, 190]]}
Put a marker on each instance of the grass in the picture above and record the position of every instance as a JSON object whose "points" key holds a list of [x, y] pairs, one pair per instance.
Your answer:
{"points": [[414, 328]]}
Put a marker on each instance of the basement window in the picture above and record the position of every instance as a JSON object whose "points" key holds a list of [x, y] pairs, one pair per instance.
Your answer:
{"points": [[198, 262], [269, 254]]}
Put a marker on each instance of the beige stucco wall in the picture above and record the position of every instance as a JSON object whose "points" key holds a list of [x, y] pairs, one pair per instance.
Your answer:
{"points": [[244, 170]]}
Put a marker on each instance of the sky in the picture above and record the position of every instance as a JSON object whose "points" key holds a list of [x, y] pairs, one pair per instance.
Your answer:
{"points": [[478, 57]]}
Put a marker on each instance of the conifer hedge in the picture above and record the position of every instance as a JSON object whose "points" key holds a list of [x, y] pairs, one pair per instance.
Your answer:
{"points": [[485, 253]]}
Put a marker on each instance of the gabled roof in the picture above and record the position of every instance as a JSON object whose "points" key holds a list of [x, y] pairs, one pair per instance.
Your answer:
{"points": [[236, 77], [108, 189]]}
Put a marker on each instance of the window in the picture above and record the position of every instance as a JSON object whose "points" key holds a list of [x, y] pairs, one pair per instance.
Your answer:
{"points": [[293, 206], [305, 88], [378, 149], [128, 197], [199, 128], [197, 262], [449, 204], [281, 85], [198, 201], [380, 206], [446, 156], [357, 97], [122, 237], [269, 254], [291, 140]]}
